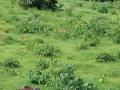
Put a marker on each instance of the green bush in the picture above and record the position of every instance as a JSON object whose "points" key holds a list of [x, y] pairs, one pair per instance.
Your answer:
{"points": [[63, 79], [30, 43], [40, 4], [105, 57], [67, 78], [46, 50], [38, 76], [31, 26], [89, 86], [98, 26], [10, 63], [93, 42], [116, 37], [118, 54], [43, 64], [103, 8], [66, 74]]}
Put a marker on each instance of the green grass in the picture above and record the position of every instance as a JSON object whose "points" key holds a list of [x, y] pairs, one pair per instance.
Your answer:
{"points": [[87, 67]]}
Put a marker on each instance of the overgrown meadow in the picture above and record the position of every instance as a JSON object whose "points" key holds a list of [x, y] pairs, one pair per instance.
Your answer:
{"points": [[72, 45]]}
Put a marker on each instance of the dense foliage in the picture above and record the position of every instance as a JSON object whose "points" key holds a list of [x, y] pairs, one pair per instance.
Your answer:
{"points": [[10, 63], [40, 4], [46, 50], [63, 79], [105, 57]]}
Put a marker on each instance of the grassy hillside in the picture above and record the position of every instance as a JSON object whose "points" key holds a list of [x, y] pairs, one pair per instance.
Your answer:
{"points": [[82, 30]]}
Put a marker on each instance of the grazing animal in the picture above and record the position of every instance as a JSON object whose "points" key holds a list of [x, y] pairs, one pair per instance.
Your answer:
{"points": [[28, 88]]}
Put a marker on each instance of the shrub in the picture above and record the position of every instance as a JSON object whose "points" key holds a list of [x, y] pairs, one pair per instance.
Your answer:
{"points": [[63, 79], [79, 84], [38, 76], [68, 79], [103, 8], [40, 4], [46, 50], [105, 57], [33, 27], [98, 26], [42, 64], [10, 63], [30, 44], [66, 74], [89, 86], [119, 54], [116, 37]]}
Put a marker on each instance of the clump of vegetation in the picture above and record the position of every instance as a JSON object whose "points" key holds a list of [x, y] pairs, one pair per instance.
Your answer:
{"points": [[116, 37], [98, 26], [105, 57], [42, 64], [90, 86], [46, 50], [93, 42], [38, 76], [40, 4], [118, 54], [103, 8], [30, 43], [64, 78], [33, 26], [66, 75], [10, 63]]}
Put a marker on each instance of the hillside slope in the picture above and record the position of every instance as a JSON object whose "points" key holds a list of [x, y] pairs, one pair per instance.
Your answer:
{"points": [[82, 30]]}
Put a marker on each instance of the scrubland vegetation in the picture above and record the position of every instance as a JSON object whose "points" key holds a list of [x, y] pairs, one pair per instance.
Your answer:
{"points": [[60, 44]]}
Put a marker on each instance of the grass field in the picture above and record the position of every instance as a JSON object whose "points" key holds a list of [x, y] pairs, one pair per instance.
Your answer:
{"points": [[66, 24]]}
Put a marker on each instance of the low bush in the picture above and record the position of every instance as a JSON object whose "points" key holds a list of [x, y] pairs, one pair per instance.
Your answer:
{"points": [[42, 64], [66, 74], [38, 76], [103, 8], [119, 54], [10, 63], [91, 42], [46, 50], [40, 4], [116, 37], [31, 26], [98, 26], [89, 86], [105, 57], [30, 43], [63, 79]]}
